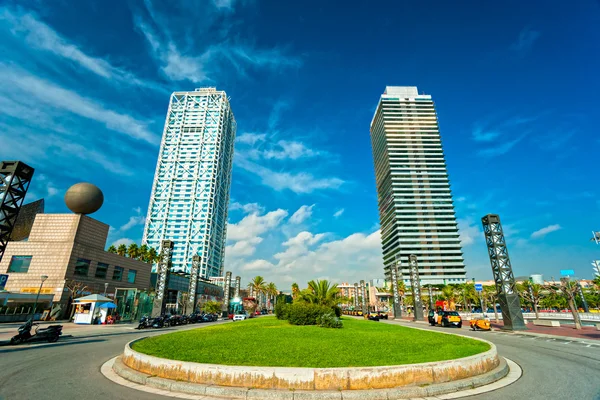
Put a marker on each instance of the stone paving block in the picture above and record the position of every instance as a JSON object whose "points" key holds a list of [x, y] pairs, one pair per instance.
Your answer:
{"points": [[234, 392], [407, 392]]}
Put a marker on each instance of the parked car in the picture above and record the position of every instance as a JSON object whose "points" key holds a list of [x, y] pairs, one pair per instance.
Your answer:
{"points": [[444, 318], [240, 317]]}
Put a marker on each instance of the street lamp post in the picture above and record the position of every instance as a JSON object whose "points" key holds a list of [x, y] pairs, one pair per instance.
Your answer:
{"points": [[105, 288], [43, 278]]}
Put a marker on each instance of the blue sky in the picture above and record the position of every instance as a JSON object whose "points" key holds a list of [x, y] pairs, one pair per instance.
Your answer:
{"points": [[85, 88]]}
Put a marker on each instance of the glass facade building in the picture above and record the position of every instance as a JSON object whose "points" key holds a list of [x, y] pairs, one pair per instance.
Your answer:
{"points": [[190, 192], [415, 203]]}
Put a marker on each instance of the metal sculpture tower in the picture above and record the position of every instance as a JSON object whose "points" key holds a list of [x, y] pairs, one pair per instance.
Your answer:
{"points": [[15, 177], [238, 283], [194, 271], [503, 273], [416, 287], [162, 279], [363, 295], [395, 290], [355, 296], [226, 293]]}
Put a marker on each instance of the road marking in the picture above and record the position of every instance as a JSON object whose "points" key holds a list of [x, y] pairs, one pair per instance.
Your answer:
{"points": [[568, 342]]}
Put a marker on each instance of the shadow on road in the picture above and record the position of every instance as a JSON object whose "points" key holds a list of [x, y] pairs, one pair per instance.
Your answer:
{"points": [[34, 345]]}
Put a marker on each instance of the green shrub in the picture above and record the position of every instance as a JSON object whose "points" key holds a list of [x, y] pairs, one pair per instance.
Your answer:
{"points": [[306, 313], [282, 311], [329, 320], [338, 311]]}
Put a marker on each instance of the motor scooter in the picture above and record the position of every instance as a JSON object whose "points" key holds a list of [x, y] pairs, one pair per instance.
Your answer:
{"points": [[49, 334], [145, 322]]}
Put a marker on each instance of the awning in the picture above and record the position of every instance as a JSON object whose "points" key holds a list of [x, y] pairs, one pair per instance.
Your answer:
{"points": [[107, 305], [94, 298]]}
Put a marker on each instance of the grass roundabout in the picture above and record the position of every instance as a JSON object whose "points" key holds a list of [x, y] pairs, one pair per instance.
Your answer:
{"points": [[267, 341]]}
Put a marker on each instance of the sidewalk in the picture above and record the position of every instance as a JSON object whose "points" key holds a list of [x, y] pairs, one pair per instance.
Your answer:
{"points": [[565, 331], [69, 328]]}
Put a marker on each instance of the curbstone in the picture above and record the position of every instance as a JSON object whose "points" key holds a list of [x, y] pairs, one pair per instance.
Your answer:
{"points": [[317, 395], [127, 373], [186, 387], [269, 394], [407, 392], [159, 383], [235, 392], [374, 394]]}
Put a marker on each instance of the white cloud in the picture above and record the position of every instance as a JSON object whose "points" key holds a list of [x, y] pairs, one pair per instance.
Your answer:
{"points": [[40, 36], [544, 231], [338, 213], [289, 150], [202, 65], [133, 221], [258, 265], [300, 182], [525, 41], [124, 241], [55, 96], [243, 248], [460, 199], [254, 225], [301, 214], [468, 231], [251, 138], [249, 208]]}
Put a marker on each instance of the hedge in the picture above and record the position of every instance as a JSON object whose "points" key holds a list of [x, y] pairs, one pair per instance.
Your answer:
{"points": [[308, 314]]}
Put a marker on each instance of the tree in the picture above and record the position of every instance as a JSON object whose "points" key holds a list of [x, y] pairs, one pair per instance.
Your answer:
{"points": [[532, 293], [133, 251], [295, 290], [320, 292], [271, 291], [76, 289], [450, 294], [490, 296], [122, 250], [143, 253], [112, 249], [212, 307], [152, 256], [570, 291], [258, 286]]}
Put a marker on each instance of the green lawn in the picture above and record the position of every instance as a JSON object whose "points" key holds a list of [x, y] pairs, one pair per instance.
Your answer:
{"points": [[266, 341]]}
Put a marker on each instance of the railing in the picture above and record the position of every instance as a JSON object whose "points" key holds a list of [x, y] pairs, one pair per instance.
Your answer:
{"points": [[565, 316]]}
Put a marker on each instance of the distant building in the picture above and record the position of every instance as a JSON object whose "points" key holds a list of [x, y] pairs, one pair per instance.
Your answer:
{"points": [[538, 279], [416, 211], [190, 193]]}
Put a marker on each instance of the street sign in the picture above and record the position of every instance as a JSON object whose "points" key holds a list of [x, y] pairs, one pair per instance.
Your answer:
{"points": [[3, 279], [567, 272], [479, 287]]}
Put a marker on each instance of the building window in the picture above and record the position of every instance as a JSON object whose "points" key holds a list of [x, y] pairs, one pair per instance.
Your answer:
{"points": [[82, 266], [19, 264], [101, 270], [131, 275], [118, 274]]}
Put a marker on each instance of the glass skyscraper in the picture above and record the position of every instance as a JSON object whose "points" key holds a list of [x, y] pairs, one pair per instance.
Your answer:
{"points": [[416, 211], [190, 193]]}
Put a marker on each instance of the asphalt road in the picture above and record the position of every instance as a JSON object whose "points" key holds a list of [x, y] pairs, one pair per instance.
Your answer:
{"points": [[70, 369]]}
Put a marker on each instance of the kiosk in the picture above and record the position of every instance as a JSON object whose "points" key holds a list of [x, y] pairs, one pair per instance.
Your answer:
{"points": [[87, 309]]}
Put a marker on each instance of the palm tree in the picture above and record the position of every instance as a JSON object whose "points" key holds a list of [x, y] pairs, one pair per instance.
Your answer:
{"points": [[112, 249], [449, 294], [271, 291], [133, 251], [143, 253], [122, 250], [152, 256], [295, 290], [257, 286], [321, 292]]}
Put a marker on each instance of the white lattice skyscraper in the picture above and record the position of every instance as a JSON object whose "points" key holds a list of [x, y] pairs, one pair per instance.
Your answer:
{"points": [[415, 203], [190, 193]]}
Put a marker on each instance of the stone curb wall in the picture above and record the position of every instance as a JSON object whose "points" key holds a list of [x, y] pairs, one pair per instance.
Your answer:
{"points": [[251, 393], [358, 378]]}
